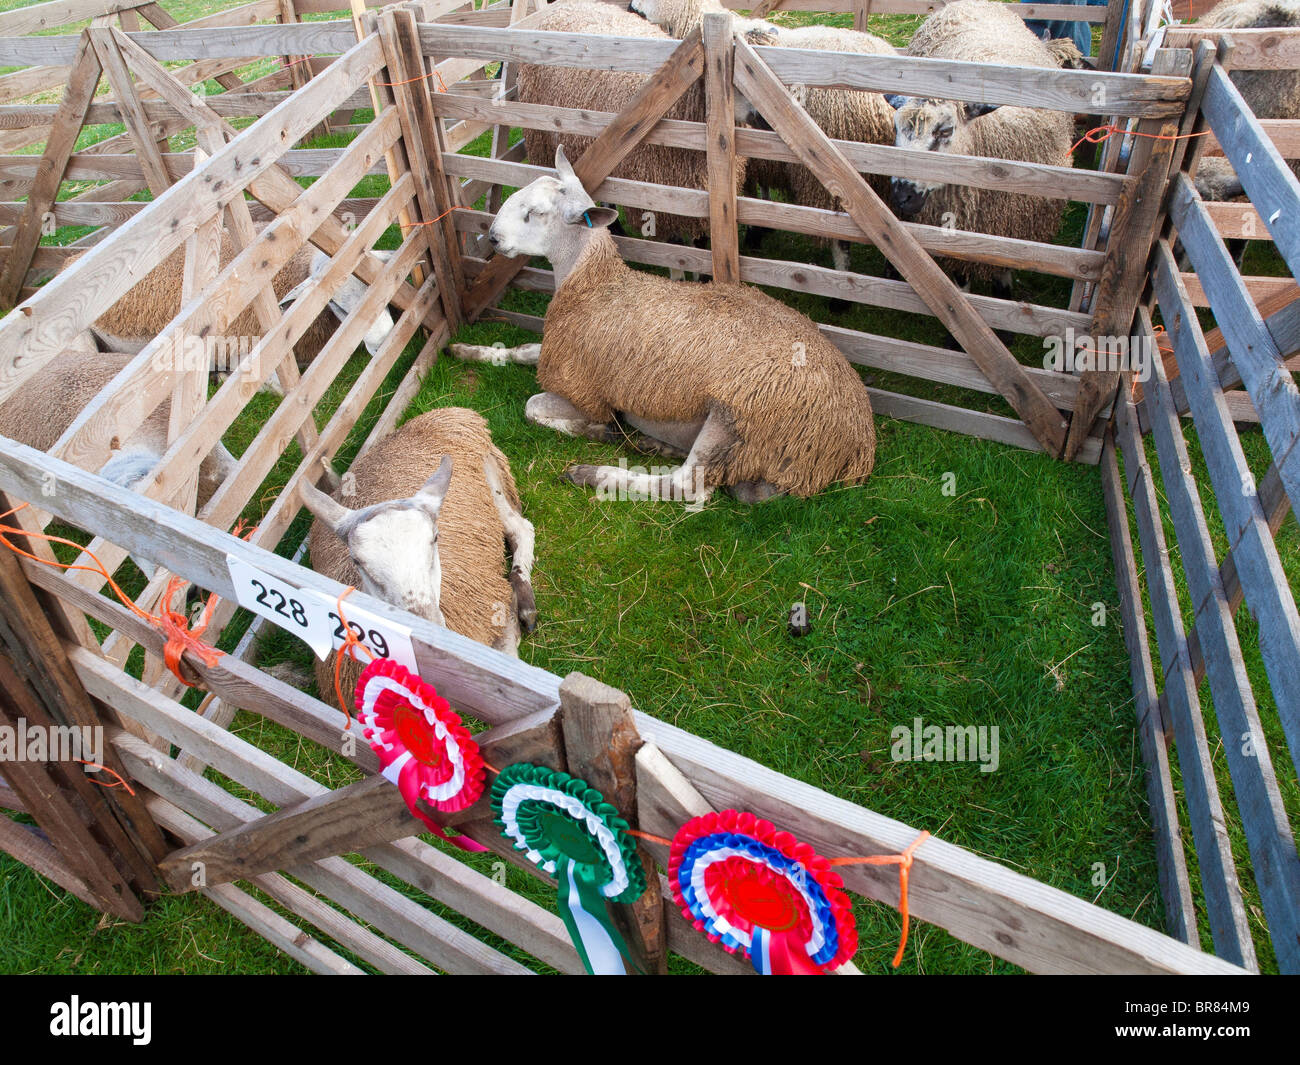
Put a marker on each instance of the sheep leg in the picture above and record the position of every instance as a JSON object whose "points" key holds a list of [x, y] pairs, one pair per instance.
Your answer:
{"points": [[556, 412], [522, 540], [687, 482], [754, 491], [497, 354]]}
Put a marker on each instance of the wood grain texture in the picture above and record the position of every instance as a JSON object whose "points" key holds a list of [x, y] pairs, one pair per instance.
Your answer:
{"points": [[600, 746]]}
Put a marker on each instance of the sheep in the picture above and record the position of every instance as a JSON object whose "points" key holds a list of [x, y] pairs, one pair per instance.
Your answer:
{"points": [[144, 311], [606, 90], [424, 540], [1269, 93], [979, 31], [842, 114], [761, 402], [43, 407]]}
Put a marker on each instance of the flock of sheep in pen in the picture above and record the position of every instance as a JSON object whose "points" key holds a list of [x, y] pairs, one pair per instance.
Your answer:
{"points": [[744, 391]]}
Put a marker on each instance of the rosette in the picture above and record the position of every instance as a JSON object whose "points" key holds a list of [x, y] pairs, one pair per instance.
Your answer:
{"points": [[422, 746], [566, 828], [760, 891]]}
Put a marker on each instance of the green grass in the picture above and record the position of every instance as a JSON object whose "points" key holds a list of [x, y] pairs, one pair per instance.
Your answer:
{"points": [[959, 585]]}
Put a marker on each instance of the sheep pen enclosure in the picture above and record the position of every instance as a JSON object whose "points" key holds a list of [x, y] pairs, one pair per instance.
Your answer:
{"points": [[444, 135]]}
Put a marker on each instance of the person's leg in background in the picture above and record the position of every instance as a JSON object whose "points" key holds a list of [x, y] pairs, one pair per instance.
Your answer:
{"points": [[1079, 32]]}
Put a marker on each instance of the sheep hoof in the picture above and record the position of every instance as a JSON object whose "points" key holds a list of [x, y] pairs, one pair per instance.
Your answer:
{"points": [[583, 476], [525, 601]]}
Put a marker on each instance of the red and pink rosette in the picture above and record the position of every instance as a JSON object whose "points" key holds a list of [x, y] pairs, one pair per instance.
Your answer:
{"points": [[422, 746], [761, 892]]}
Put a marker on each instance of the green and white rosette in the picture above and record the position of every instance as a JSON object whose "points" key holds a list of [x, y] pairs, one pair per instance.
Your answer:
{"points": [[566, 828]]}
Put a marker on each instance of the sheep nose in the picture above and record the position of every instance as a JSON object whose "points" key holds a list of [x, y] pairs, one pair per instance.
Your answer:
{"points": [[905, 198], [492, 238]]}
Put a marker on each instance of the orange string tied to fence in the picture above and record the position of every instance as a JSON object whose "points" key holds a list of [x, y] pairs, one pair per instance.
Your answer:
{"points": [[350, 640], [904, 863], [172, 624], [434, 73], [120, 782], [1102, 133]]}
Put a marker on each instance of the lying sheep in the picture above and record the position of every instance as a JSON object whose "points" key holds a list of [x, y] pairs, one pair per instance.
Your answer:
{"points": [[140, 315], [607, 90], [427, 541], [979, 31], [46, 404], [761, 402], [842, 114]]}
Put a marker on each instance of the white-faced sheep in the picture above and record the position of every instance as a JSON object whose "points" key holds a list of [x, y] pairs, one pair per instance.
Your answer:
{"points": [[979, 31], [760, 400], [428, 537], [143, 312], [609, 90], [46, 404], [842, 114]]}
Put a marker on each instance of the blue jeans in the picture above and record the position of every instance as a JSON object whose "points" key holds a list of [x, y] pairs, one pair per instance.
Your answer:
{"points": [[1079, 32]]}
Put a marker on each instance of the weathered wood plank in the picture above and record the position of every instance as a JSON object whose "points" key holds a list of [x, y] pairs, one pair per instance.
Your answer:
{"points": [[720, 97], [1257, 563], [1171, 862], [1225, 909]]}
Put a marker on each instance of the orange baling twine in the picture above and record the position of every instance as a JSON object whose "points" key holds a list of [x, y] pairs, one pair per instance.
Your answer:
{"points": [[173, 625], [120, 782], [903, 861], [1102, 133], [434, 73], [350, 641]]}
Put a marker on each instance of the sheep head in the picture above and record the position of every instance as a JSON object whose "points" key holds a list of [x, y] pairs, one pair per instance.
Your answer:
{"points": [[394, 545], [928, 126], [544, 216]]}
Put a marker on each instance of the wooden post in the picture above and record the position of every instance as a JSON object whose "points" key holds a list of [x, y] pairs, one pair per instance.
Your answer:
{"points": [[359, 14], [82, 82], [1133, 231], [600, 745], [422, 139], [720, 97]]}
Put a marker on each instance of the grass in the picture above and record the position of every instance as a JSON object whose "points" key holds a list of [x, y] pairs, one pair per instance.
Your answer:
{"points": [[963, 584]]}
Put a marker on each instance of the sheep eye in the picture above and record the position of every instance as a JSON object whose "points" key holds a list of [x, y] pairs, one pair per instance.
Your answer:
{"points": [[526, 215]]}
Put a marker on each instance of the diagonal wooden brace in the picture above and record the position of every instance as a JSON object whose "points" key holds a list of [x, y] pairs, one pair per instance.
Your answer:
{"points": [[948, 303], [616, 141], [350, 819], [83, 79]]}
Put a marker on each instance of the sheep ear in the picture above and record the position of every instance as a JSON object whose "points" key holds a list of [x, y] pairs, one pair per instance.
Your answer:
{"points": [[593, 217], [973, 110], [895, 100], [562, 165], [329, 510], [434, 490]]}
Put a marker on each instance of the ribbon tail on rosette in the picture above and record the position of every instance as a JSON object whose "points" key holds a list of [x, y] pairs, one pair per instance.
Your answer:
{"points": [[401, 772], [586, 915], [781, 954]]}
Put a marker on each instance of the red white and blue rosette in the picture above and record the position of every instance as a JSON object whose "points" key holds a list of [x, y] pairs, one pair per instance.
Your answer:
{"points": [[422, 746], [761, 892]]}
